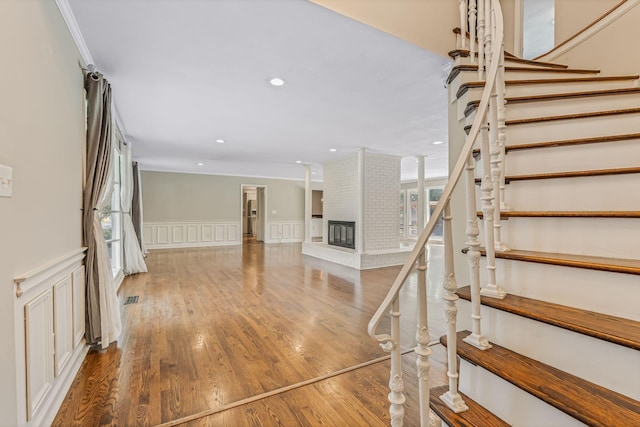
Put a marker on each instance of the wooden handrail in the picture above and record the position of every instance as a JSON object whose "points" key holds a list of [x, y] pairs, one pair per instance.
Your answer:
{"points": [[456, 173]]}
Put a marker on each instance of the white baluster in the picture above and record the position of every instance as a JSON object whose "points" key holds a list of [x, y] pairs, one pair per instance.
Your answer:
{"points": [[487, 197], [502, 129], [396, 384], [422, 338], [452, 398], [472, 30], [422, 328], [481, 34], [497, 152], [473, 255], [462, 7]]}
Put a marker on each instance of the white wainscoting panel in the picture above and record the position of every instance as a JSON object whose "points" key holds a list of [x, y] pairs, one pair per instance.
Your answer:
{"points": [[49, 317], [164, 235], [39, 350], [285, 231], [78, 283], [63, 322]]}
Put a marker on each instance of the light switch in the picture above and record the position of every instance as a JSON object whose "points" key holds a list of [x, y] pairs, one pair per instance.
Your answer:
{"points": [[274, 212], [6, 181]]}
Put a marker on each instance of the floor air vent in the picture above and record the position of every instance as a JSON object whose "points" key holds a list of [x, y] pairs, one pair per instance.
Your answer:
{"points": [[131, 300]]}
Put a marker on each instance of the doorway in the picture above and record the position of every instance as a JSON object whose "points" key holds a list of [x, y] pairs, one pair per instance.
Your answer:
{"points": [[253, 212]]}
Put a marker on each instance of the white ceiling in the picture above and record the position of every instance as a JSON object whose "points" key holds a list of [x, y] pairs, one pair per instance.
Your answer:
{"points": [[187, 72]]}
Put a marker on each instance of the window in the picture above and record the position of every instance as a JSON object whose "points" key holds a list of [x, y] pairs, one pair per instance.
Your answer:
{"points": [[111, 219], [403, 209], [433, 195], [409, 210]]}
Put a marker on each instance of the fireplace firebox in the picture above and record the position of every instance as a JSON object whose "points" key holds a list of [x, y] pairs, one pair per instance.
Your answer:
{"points": [[342, 233]]}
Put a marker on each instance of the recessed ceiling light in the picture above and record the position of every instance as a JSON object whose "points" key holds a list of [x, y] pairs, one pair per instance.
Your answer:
{"points": [[313, 173], [200, 164], [220, 141], [437, 142], [332, 149], [298, 161], [276, 81]]}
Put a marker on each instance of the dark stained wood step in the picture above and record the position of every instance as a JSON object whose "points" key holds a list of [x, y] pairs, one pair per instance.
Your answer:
{"points": [[565, 143], [566, 214], [617, 330], [476, 416], [464, 87], [579, 141], [568, 174], [465, 53], [615, 265], [583, 400], [573, 116], [457, 69], [473, 105], [572, 174]]}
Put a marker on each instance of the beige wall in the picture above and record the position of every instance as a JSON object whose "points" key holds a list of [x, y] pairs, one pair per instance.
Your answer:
{"points": [[41, 136], [597, 52], [573, 15], [174, 197], [316, 202], [425, 23]]}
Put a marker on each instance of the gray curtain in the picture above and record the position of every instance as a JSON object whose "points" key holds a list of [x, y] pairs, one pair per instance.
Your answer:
{"points": [[103, 319], [136, 206]]}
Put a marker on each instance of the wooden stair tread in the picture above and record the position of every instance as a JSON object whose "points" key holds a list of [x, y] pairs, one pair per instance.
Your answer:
{"points": [[573, 116], [567, 214], [587, 402], [476, 416], [617, 330], [565, 143], [573, 174], [616, 265], [457, 69], [578, 141], [465, 53], [464, 87], [567, 174], [473, 105]]}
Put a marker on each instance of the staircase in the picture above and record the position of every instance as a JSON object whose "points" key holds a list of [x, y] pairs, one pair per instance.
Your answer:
{"points": [[566, 339], [564, 343]]}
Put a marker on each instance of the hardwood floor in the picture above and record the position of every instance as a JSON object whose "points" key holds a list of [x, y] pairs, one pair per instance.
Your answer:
{"points": [[214, 326]]}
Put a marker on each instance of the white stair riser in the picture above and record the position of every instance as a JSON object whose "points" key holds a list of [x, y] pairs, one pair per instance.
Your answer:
{"points": [[507, 61], [604, 155], [597, 361], [508, 402], [532, 89], [586, 289], [573, 128], [558, 107], [574, 194], [603, 237], [472, 76]]}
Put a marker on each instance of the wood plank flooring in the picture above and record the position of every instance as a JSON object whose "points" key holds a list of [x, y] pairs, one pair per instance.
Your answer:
{"points": [[214, 326]]}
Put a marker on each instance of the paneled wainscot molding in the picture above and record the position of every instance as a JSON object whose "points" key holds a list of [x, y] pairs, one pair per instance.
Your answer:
{"points": [[164, 235], [49, 312]]}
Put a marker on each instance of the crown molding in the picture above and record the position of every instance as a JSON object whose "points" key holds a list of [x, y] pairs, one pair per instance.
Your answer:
{"points": [[85, 54], [72, 24]]}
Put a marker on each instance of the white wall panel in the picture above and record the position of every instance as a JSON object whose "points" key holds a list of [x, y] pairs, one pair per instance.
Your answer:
{"points": [[62, 323], [78, 283], [39, 350], [162, 234], [232, 233], [177, 234], [190, 234]]}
